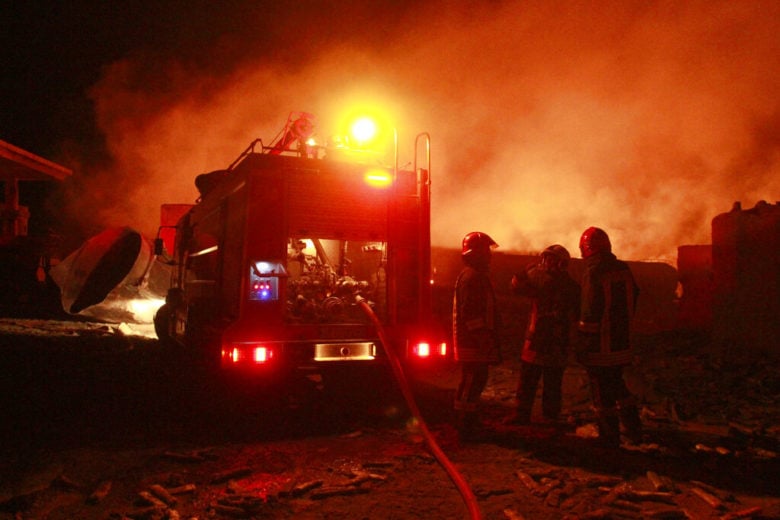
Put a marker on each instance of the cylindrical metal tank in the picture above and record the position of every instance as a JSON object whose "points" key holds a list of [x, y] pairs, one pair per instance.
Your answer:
{"points": [[746, 276], [114, 258]]}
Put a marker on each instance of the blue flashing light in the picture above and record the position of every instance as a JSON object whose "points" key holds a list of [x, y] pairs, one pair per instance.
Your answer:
{"points": [[264, 281]]}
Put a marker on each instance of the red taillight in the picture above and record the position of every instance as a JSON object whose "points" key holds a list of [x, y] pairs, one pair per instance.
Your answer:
{"points": [[256, 354], [422, 350], [262, 354]]}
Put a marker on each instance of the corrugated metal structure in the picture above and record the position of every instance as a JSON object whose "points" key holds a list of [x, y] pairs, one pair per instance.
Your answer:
{"points": [[746, 277], [20, 165], [656, 305], [26, 249]]}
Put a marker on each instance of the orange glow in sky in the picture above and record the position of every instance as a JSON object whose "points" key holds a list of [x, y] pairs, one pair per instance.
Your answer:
{"points": [[644, 118]]}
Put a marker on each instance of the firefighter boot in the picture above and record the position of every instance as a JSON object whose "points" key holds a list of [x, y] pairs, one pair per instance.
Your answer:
{"points": [[632, 424], [609, 428]]}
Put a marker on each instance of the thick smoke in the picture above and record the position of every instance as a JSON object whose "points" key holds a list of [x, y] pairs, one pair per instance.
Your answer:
{"points": [[644, 118]]}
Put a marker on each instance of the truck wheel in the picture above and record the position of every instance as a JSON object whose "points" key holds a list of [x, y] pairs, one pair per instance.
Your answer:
{"points": [[162, 324]]}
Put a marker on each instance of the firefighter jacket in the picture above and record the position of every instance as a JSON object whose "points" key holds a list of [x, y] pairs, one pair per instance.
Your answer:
{"points": [[554, 314], [475, 318], [609, 295]]}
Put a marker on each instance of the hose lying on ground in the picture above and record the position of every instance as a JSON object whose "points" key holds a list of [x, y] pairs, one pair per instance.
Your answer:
{"points": [[463, 487]]}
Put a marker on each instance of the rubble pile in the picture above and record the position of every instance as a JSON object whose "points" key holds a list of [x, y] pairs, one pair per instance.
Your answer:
{"points": [[132, 440], [581, 496], [346, 475], [696, 383], [85, 328], [236, 481]]}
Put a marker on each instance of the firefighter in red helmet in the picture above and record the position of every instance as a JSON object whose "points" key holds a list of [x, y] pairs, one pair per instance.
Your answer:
{"points": [[475, 328], [609, 294], [555, 298]]}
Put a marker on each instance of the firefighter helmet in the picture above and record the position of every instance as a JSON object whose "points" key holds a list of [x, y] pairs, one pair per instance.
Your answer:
{"points": [[594, 240], [556, 256], [477, 245]]}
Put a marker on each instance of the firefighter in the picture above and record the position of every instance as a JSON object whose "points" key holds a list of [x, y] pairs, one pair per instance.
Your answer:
{"points": [[554, 314], [475, 328], [609, 294]]}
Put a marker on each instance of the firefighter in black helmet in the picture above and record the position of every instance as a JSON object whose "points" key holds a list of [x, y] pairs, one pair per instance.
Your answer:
{"points": [[555, 298], [609, 294], [475, 328]]}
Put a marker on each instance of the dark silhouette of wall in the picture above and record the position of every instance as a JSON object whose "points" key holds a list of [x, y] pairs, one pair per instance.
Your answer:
{"points": [[746, 276]]}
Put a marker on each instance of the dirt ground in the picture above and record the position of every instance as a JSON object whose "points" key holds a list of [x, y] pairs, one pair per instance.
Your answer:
{"points": [[98, 423]]}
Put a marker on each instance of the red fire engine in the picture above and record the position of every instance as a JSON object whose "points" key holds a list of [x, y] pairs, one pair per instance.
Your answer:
{"points": [[274, 264]]}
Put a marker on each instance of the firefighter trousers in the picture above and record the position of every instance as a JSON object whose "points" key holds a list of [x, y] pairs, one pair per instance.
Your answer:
{"points": [[614, 404], [552, 381], [474, 377]]}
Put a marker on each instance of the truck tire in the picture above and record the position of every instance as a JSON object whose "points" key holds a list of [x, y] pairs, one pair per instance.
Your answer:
{"points": [[162, 324]]}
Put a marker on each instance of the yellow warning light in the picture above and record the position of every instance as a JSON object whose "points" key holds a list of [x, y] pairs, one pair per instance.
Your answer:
{"points": [[362, 135], [363, 130], [378, 178]]}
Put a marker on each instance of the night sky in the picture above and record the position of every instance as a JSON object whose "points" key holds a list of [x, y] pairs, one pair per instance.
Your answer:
{"points": [[55, 52], [647, 118]]}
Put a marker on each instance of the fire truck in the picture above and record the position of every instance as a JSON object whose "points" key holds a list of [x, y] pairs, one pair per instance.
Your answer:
{"points": [[300, 257]]}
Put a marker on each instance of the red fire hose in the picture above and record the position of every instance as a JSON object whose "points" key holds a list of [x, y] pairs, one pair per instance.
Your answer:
{"points": [[455, 476]]}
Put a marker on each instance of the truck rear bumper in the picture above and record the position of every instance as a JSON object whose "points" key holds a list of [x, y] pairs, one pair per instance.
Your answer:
{"points": [[293, 355]]}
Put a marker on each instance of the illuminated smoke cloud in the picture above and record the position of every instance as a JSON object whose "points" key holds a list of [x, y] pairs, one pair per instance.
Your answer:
{"points": [[644, 118]]}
